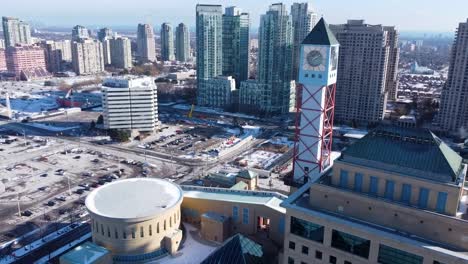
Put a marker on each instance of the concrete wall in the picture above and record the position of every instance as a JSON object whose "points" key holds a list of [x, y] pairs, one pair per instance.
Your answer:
{"points": [[429, 253], [225, 208], [162, 225], [214, 230], [453, 192], [433, 226]]}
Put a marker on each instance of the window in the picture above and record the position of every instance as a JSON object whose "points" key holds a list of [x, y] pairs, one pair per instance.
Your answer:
{"points": [[389, 189], [157, 228], [235, 213], [290, 260], [292, 245], [245, 216], [441, 201], [343, 179], [306, 229], [358, 182], [142, 233], [281, 225], [116, 233], [406, 193], [318, 254], [124, 234], [389, 255], [164, 225], [133, 233], [332, 260], [350, 243], [423, 197], [170, 221], [150, 231], [305, 250], [374, 185]]}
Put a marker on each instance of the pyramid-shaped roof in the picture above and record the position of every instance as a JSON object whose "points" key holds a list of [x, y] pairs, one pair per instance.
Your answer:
{"points": [[321, 34], [236, 250]]}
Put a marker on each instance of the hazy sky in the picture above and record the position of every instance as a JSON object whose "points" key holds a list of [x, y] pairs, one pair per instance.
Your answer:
{"points": [[407, 15]]}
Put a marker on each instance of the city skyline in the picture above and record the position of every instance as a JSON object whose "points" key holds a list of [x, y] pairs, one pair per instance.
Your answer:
{"points": [[418, 15]]}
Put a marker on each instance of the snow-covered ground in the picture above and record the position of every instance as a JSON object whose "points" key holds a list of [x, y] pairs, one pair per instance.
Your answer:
{"points": [[192, 251]]}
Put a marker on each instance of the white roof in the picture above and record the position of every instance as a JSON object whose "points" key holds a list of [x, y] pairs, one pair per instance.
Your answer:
{"points": [[133, 198]]}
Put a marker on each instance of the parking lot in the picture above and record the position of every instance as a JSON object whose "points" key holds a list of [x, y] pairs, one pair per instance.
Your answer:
{"points": [[46, 180]]}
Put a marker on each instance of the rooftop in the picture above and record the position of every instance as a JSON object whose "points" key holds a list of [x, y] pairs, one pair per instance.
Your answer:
{"points": [[416, 152], [321, 35], [269, 199], [133, 198], [237, 249]]}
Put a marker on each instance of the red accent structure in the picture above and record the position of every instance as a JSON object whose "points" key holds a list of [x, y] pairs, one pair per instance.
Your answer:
{"points": [[325, 136]]}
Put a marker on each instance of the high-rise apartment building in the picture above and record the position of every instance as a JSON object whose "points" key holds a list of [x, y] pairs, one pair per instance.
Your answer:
{"points": [[304, 19], [276, 88], [87, 57], [393, 60], [121, 52], [453, 115], [146, 47], [382, 203], [26, 62], [182, 45], [361, 92], [104, 33], [16, 31], [130, 103], [106, 50], [236, 38], [3, 65], [167, 42], [79, 33], [57, 53], [209, 27]]}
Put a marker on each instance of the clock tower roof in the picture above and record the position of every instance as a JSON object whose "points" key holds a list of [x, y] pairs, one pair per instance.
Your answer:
{"points": [[321, 35]]}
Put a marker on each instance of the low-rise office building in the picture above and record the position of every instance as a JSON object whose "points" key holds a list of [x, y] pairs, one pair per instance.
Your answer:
{"points": [[130, 103]]}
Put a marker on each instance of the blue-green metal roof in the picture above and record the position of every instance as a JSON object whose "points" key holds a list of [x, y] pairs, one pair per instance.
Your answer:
{"points": [[321, 35], [418, 150], [236, 250]]}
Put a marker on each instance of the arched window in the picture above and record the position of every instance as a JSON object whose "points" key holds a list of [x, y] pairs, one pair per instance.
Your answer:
{"points": [[164, 225], [124, 234], [133, 232], [102, 229], [108, 232], [142, 233], [157, 228], [150, 231], [170, 221], [116, 233]]}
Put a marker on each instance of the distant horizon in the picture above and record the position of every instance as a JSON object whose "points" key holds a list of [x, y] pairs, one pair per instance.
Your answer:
{"points": [[407, 16]]}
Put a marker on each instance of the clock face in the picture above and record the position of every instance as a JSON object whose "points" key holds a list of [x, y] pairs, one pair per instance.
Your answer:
{"points": [[334, 58], [315, 58]]}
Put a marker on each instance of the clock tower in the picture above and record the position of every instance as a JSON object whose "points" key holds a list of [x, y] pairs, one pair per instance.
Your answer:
{"points": [[315, 104]]}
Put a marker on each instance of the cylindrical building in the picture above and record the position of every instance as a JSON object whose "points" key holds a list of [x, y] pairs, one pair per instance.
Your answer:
{"points": [[136, 219]]}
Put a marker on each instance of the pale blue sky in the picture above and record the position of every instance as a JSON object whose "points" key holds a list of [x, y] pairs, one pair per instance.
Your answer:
{"points": [[422, 15]]}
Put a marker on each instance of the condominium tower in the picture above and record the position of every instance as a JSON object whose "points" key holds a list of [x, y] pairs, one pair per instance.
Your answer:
{"points": [[182, 44], [236, 39], [453, 115], [16, 31], [79, 33], [104, 33], [209, 27], [130, 103], [304, 19], [57, 53], [145, 43], [87, 57], [167, 42], [365, 63], [276, 88], [121, 52], [26, 62]]}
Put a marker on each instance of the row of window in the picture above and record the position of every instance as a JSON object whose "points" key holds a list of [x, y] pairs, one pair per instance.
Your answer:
{"points": [[406, 191], [348, 243], [99, 228], [245, 214]]}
